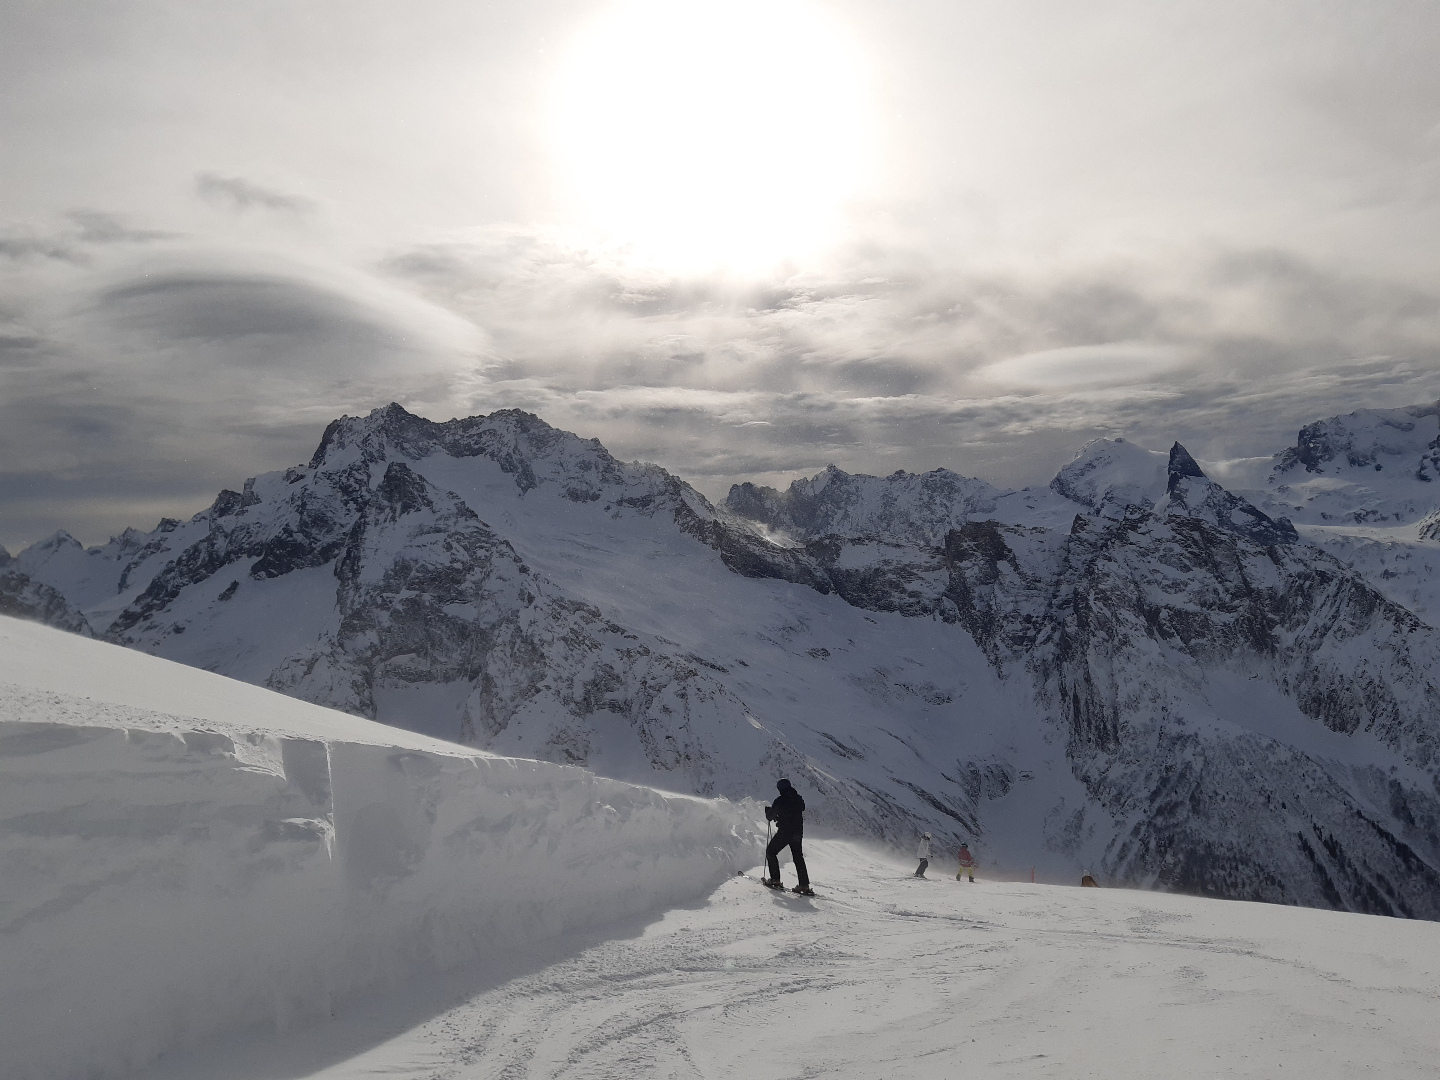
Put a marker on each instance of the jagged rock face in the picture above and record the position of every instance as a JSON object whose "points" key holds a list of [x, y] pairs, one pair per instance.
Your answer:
{"points": [[22, 598], [1190, 493], [1123, 626], [1428, 528], [1161, 675]]}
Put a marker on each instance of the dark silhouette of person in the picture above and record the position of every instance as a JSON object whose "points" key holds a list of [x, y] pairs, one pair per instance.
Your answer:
{"points": [[788, 813]]}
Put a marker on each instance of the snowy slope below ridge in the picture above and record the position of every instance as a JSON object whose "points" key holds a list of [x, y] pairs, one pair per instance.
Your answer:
{"points": [[888, 976], [1161, 682], [183, 854]]}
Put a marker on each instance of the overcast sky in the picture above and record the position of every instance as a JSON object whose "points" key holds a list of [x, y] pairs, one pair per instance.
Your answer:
{"points": [[740, 239]]}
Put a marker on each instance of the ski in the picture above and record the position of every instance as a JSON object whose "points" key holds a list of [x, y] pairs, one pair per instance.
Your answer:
{"points": [[782, 889]]}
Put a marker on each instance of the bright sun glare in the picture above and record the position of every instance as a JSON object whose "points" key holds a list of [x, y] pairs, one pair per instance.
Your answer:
{"points": [[711, 133]]}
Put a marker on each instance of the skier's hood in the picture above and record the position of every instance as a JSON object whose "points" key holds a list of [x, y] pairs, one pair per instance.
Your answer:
{"points": [[784, 785]]}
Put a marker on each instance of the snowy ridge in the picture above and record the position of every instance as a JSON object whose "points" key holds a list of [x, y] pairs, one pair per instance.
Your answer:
{"points": [[183, 854], [903, 508], [1370, 467], [1364, 488]]}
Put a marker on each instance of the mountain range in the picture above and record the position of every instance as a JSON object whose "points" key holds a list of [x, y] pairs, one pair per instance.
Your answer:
{"points": [[1218, 679]]}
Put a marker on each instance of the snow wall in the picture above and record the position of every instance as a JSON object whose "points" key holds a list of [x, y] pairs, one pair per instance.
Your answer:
{"points": [[164, 878]]}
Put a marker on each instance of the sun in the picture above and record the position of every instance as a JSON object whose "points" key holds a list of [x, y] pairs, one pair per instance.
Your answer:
{"points": [[711, 134]]}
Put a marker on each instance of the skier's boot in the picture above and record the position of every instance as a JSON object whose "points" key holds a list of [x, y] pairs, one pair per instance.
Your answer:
{"points": [[803, 890], [777, 884]]}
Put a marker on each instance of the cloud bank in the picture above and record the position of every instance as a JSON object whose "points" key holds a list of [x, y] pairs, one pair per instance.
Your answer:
{"points": [[148, 373]]}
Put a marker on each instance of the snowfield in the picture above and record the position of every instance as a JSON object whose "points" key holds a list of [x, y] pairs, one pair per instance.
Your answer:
{"points": [[885, 977], [182, 854]]}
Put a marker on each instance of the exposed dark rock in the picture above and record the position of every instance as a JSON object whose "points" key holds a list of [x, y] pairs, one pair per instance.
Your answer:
{"points": [[1191, 493], [22, 598]]}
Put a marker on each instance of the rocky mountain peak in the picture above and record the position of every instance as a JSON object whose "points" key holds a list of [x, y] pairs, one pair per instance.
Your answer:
{"points": [[391, 427], [1182, 466], [1189, 492], [1368, 467], [403, 491]]}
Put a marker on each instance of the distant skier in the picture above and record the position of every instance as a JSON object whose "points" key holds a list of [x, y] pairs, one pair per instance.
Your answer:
{"points": [[967, 862], [788, 813], [923, 851]]}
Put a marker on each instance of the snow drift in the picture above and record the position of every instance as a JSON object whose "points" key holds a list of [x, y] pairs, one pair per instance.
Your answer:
{"points": [[182, 853]]}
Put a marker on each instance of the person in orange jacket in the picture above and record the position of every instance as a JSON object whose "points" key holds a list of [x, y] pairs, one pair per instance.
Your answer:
{"points": [[967, 862]]}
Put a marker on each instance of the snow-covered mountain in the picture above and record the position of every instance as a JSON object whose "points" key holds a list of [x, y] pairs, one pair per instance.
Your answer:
{"points": [[1363, 487], [1373, 466], [1135, 671]]}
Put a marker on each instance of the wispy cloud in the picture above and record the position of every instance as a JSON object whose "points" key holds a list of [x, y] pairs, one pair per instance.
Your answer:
{"points": [[167, 378], [237, 193], [153, 384], [73, 241]]}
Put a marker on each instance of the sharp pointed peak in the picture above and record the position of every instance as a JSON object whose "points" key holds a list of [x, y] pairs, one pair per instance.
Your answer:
{"points": [[1182, 466]]}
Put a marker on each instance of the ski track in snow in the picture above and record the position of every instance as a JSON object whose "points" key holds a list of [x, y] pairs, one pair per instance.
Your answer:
{"points": [[885, 976]]}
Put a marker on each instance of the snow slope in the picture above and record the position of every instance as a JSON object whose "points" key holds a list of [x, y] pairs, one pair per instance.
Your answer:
{"points": [[888, 976], [181, 853]]}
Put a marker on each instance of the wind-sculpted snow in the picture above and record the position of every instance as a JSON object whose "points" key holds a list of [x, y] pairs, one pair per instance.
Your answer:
{"points": [[183, 854]]}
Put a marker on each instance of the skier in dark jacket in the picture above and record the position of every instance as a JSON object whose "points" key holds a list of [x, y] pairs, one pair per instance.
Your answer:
{"points": [[788, 813]]}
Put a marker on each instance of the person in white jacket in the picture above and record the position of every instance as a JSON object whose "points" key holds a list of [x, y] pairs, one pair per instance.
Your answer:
{"points": [[923, 851]]}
